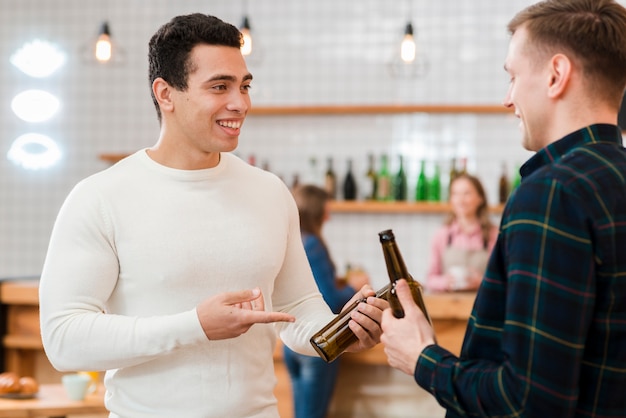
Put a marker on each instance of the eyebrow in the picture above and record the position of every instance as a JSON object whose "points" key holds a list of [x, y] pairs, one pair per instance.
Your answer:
{"points": [[231, 78]]}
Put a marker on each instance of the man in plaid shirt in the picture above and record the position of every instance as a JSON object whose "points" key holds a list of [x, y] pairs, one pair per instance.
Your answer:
{"points": [[547, 335]]}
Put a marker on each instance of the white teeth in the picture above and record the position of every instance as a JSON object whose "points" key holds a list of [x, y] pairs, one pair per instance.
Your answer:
{"points": [[230, 124]]}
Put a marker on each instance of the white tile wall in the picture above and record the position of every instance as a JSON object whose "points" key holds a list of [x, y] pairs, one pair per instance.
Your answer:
{"points": [[313, 52]]}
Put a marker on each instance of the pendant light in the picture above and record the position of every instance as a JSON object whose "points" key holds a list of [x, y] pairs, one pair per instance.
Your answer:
{"points": [[104, 48], [246, 48], [407, 46], [251, 48], [408, 59]]}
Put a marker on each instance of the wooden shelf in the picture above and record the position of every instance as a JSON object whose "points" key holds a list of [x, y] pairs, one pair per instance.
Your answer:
{"points": [[376, 109], [112, 158], [395, 207], [388, 109], [24, 342]]}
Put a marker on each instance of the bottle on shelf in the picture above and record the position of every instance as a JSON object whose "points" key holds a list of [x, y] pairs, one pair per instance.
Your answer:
{"points": [[369, 183], [462, 166], [453, 172], [336, 336], [313, 175], [396, 269], [517, 179], [383, 187], [349, 184], [503, 185], [421, 188], [433, 190], [295, 181], [330, 180], [399, 183]]}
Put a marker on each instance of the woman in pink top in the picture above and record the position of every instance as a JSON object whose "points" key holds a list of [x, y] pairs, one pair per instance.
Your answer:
{"points": [[461, 248]]}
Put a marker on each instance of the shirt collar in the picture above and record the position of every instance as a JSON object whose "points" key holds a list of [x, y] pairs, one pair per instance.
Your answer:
{"points": [[557, 150]]}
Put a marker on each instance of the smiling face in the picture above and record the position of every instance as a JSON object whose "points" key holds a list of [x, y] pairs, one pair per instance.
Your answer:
{"points": [[464, 198], [206, 118], [527, 93]]}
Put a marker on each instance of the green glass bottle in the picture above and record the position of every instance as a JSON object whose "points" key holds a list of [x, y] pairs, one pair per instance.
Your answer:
{"points": [[399, 183], [421, 188], [517, 179], [383, 187], [434, 186]]}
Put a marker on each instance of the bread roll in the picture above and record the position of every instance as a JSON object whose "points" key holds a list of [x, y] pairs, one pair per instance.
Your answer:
{"points": [[29, 385], [10, 383]]}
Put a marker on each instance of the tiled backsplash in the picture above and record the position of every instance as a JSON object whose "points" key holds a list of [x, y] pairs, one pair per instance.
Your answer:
{"points": [[313, 52]]}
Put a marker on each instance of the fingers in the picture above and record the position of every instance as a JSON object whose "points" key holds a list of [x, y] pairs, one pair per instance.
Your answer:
{"points": [[251, 299], [404, 295], [255, 317]]}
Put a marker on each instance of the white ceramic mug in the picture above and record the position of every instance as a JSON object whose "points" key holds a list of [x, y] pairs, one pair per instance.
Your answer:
{"points": [[76, 385], [459, 275]]}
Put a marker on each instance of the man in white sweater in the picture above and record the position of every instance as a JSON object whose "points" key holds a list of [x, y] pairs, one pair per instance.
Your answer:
{"points": [[176, 269]]}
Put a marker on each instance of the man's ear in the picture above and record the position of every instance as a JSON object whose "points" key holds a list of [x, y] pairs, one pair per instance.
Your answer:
{"points": [[560, 75], [163, 93]]}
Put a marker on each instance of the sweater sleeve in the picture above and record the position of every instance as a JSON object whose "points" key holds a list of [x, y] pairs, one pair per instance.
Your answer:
{"points": [[79, 274], [296, 292]]}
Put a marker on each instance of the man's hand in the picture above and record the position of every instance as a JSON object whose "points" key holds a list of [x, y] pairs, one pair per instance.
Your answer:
{"points": [[228, 315], [405, 338], [366, 319]]}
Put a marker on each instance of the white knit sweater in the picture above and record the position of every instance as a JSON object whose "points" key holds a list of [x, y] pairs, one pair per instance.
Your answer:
{"points": [[136, 247]]}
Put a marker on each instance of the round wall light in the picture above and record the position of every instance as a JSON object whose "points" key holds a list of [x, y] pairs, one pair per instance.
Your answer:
{"points": [[35, 105], [34, 151]]}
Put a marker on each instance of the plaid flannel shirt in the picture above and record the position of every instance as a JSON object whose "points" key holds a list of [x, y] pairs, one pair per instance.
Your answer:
{"points": [[547, 334]]}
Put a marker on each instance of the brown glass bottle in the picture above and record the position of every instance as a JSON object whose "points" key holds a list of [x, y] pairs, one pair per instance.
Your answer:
{"points": [[397, 270], [336, 336]]}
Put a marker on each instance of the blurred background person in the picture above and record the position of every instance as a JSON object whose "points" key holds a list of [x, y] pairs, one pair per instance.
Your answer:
{"points": [[461, 247], [312, 379]]}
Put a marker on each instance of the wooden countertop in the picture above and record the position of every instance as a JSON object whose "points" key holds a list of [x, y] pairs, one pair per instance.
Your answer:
{"points": [[453, 305], [52, 401], [444, 308]]}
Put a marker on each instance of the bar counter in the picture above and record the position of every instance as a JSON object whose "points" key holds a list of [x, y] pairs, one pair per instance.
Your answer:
{"points": [[23, 351]]}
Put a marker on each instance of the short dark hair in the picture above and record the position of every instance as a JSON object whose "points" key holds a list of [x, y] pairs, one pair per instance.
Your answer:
{"points": [[170, 47], [591, 32]]}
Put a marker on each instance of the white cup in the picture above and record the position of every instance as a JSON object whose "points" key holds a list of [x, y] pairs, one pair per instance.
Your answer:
{"points": [[459, 275], [76, 385]]}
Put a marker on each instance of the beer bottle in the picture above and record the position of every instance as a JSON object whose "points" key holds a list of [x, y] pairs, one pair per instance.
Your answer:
{"points": [[397, 270]]}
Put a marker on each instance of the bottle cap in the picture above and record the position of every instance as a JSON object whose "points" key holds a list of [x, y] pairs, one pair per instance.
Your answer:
{"points": [[386, 235]]}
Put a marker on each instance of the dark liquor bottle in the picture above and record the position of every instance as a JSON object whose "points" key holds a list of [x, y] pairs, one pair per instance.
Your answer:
{"points": [[397, 270], [349, 184], [503, 186], [330, 180], [399, 183], [336, 336]]}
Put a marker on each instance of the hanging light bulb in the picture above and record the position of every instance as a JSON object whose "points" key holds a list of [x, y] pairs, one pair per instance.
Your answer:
{"points": [[407, 47], [408, 62], [246, 48], [104, 49]]}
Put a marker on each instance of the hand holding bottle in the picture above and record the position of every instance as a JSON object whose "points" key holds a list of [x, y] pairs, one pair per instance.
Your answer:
{"points": [[366, 319], [405, 338]]}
